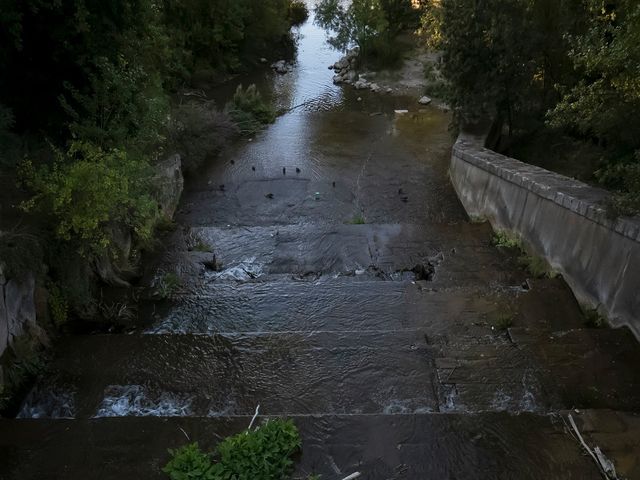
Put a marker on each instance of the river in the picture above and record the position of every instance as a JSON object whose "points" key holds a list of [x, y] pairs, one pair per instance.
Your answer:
{"points": [[354, 296]]}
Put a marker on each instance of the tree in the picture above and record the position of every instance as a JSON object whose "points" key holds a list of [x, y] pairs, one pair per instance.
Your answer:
{"points": [[371, 25]]}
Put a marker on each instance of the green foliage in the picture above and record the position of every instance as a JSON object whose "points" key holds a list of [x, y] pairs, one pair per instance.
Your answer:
{"points": [[222, 35], [123, 107], [358, 220], [505, 239], [190, 463], [372, 25], [249, 111], [261, 454], [88, 190], [298, 12], [198, 131], [593, 319], [623, 177], [572, 64], [25, 360], [503, 321], [165, 286], [606, 101], [536, 266], [58, 305]]}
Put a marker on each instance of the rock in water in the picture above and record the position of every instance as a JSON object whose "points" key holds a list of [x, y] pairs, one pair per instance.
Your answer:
{"points": [[424, 100]]}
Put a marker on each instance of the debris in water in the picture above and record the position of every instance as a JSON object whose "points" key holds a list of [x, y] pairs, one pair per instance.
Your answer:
{"points": [[222, 187], [269, 195], [253, 168], [297, 170], [401, 112], [284, 170], [400, 191], [333, 184], [405, 199]]}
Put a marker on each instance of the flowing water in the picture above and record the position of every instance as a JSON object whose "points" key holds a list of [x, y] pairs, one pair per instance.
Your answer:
{"points": [[358, 300]]}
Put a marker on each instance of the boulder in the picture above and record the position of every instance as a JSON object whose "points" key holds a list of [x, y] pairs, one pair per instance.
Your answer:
{"points": [[374, 87], [17, 308], [280, 66], [168, 183], [351, 76], [341, 64], [361, 85], [337, 79], [424, 100]]}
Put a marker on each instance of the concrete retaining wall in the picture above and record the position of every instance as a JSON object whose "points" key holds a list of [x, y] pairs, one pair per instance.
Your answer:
{"points": [[559, 219]]}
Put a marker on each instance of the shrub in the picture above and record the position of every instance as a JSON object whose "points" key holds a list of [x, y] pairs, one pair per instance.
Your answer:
{"points": [[261, 454], [87, 190], [249, 111], [624, 179], [198, 131], [298, 12]]}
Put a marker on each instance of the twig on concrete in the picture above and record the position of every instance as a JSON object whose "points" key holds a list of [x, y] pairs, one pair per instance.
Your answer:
{"points": [[604, 464], [255, 415], [352, 476], [185, 433]]}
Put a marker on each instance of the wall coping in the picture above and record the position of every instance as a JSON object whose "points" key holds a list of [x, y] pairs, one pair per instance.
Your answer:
{"points": [[580, 198]]}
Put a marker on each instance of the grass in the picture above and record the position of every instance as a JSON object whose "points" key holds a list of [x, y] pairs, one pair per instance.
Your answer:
{"points": [[593, 319], [166, 286], [357, 220], [505, 240], [503, 321], [537, 266]]}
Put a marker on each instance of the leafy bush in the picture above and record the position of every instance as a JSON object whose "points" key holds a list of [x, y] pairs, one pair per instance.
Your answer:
{"points": [[298, 12], [198, 131], [261, 454], [249, 111], [624, 179], [87, 190]]}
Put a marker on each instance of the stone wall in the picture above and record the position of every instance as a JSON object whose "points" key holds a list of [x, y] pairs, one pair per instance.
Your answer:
{"points": [[557, 218]]}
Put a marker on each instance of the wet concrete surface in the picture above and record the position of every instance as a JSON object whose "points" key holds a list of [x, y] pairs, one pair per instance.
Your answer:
{"points": [[313, 309]]}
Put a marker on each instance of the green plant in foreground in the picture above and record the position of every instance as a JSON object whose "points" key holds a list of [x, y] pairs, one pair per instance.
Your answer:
{"points": [[261, 454]]}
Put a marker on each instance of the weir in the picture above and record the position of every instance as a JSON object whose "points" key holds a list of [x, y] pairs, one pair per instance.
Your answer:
{"points": [[317, 308]]}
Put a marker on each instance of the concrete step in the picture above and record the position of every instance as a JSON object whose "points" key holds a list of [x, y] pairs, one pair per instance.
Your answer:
{"points": [[484, 446], [456, 255], [206, 375], [582, 368]]}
